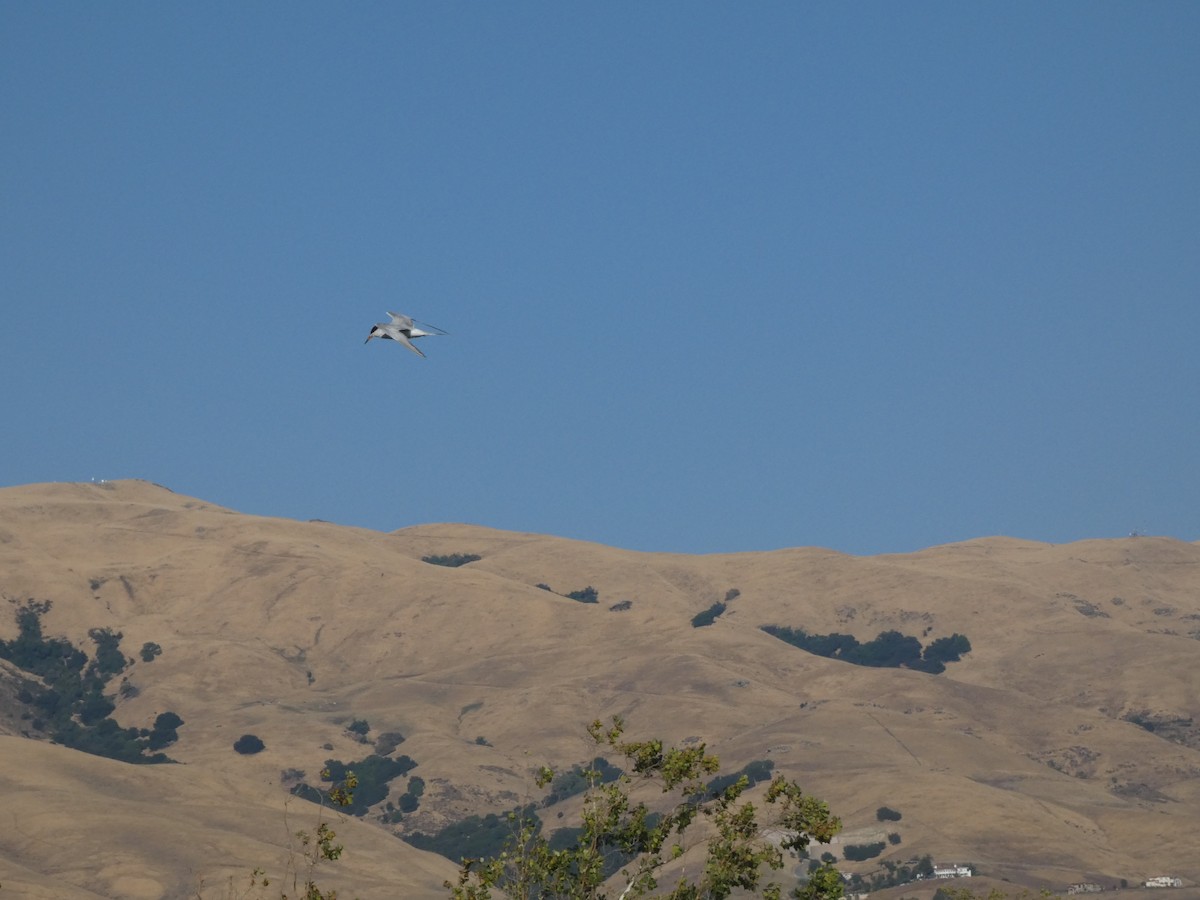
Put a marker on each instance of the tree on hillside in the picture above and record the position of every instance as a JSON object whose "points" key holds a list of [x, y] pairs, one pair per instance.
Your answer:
{"points": [[584, 595], [621, 833], [944, 650], [164, 731], [249, 744], [68, 690], [890, 649]]}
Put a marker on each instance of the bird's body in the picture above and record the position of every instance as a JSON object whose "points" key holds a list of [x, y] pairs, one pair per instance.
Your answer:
{"points": [[402, 329]]}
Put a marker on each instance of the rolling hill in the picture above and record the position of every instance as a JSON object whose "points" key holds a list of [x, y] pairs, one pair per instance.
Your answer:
{"points": [[1063, 747]]}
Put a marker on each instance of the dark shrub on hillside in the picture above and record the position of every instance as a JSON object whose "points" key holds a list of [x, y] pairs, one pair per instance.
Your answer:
{"points": [[109, 659], [859, 852], [387, 742], [150, 650], [249, 744], [887, 814], [946, 649], [108, 739], [93, 707], [373, 775], [164, 731], [411, 799], [709, 616], [453, 560], [69, 691], [409, 802], [888, 649], [49, 658], [586, 595], [475, 837]]}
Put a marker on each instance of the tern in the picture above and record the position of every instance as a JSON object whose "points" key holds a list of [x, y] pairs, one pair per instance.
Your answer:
{"points": [[402, 329]]}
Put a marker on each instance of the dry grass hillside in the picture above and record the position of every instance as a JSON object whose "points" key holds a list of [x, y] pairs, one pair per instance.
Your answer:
{"points": [[1025, 758]]}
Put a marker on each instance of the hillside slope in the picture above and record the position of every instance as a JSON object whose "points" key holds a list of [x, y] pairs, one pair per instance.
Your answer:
{"points": [[86, 827], [1024, 758]]}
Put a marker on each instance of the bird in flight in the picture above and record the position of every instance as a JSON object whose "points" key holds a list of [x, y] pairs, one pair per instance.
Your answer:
{"points": [[402, 329]]}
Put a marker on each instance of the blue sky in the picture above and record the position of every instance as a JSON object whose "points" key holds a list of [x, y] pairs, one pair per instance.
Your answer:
{"points": [[718, 276]]}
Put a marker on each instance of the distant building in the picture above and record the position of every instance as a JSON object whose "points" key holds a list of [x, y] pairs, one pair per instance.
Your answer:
{"points": [[1085, 887], [1164, 881], [952, 871]]}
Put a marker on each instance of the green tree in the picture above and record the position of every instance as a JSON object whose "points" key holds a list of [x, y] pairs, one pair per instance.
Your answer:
{"points": [[859, 852], [109, 659], [70, 691], [164, 731], [452, 560], [710, 615], [372, 774], [249, 744], [646, 841], [947, 649], [93, 707]]}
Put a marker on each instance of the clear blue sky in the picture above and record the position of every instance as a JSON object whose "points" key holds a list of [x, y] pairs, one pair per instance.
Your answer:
{"points": [[718, 276]]}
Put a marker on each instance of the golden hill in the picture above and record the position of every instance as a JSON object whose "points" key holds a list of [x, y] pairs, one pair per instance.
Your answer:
{"points": [[1022, 758]]}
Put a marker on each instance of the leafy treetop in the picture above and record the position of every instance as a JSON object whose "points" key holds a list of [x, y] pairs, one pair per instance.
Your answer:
{"points": [[888, 650], [648, 841], [451, 560]]}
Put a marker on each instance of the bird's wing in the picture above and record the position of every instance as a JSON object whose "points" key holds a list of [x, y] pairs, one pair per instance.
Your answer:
{"points": [[403, 338], [401, 320]]}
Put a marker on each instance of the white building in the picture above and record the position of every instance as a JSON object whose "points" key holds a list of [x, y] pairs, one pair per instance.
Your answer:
{"points": [[952, 871], [1164, 881]]}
